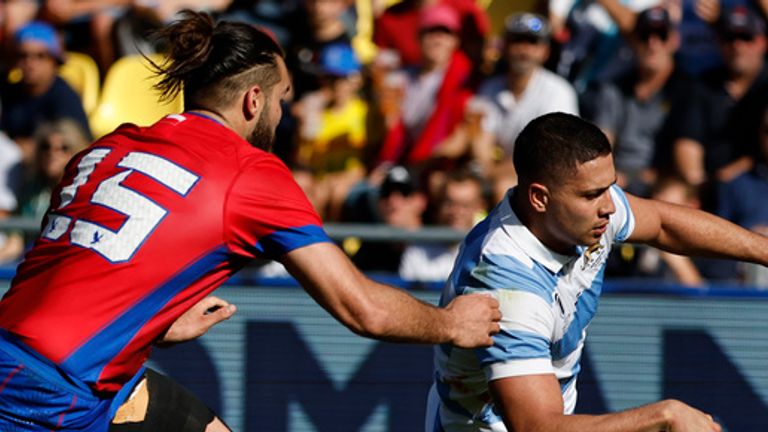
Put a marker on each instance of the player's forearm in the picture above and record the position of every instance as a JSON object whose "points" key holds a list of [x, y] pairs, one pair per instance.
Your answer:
{"points": [[396, 316], [693, 232], [383, 312], [661, 416]]}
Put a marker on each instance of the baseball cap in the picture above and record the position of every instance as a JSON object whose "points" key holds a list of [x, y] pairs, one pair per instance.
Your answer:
{"points": [[740, 21], [440, 15], [655, 20], [527, 24], [339, 59], [43, 33], [398, 179]]}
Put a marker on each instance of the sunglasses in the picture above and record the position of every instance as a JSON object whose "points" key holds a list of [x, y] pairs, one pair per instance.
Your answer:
{"points": [[46, 147], [645, 36], [33, 55], [743, 37], [525, 38], [437, 29]]}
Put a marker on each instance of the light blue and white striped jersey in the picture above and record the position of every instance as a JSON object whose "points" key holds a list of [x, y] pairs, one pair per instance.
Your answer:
{"points": [[547, 300]]}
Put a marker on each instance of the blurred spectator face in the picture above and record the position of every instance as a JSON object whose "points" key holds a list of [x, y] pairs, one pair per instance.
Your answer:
{"points": [[38, 53], [322, 12], [655, 39], [36, 64], [742, 41], [401, 204], [744, 54], [345, 88], [526, 42], [402, 210], [462, 202], [56, 144], [438, 29], [438, 45], [55, 152]]}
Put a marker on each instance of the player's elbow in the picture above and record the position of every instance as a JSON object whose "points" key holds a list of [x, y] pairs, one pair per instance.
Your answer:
{"points": [[370, 321]]}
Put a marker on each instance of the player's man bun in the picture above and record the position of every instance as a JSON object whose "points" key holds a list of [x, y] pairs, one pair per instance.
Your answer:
{"points": [[205, 59]]}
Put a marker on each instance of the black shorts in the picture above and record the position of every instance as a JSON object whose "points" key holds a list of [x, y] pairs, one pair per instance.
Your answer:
{"points": [[171, 408]]}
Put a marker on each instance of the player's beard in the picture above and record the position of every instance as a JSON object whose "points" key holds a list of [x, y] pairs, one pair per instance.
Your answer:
{"points": [[263, 134]]}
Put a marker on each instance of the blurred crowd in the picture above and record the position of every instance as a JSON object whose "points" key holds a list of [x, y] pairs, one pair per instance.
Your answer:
{"points": [[405, 112]]}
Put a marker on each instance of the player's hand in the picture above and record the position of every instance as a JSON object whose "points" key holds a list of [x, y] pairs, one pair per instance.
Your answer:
{"points": [[475, 318], [198, 320], [684, 418]]}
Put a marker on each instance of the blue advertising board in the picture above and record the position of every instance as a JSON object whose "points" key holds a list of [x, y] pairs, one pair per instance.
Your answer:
{"points": [[283, 364]]}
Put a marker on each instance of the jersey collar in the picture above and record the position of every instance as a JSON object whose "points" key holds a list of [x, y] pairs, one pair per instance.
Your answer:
{"points": [[529, 243]]}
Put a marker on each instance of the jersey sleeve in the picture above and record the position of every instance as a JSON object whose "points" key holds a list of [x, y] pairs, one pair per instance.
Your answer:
{"points": [[622, 221], [267, 213], [522, 347]]}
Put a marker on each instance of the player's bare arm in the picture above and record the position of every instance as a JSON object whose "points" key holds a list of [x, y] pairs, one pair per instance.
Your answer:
{"points": [[687, 231], [534, 403], [379, 311], [197, 320]]}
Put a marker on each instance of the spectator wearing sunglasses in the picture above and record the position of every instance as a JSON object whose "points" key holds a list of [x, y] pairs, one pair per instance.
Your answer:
{"points": [[713, 141], [522, 92], [634, 110], [55, 143], [41, 95]]}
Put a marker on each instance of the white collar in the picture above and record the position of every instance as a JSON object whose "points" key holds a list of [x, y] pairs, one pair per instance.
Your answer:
{"points": [[529, 243]]}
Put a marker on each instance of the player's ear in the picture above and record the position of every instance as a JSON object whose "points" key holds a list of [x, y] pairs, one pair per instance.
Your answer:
{"points": [[253, 102], [538, 197]]}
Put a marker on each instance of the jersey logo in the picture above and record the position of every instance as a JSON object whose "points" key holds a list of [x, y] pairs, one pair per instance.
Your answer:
{"points": [[593, 257], [143, 214]]}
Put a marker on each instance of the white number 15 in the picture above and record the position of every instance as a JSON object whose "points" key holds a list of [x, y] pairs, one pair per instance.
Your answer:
{"points": [[143, 214]]}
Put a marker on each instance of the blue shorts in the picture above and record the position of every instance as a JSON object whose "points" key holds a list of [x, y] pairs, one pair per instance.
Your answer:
{"points": [[35, 395]]}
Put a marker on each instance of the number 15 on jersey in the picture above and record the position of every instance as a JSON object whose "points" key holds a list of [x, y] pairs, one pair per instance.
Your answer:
{"points": [[143, 214]]}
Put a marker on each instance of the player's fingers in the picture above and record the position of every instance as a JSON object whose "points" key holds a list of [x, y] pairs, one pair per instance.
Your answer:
{"points": [[220, 314], [496, 315], [212, 301], [495, 328], [488, 341]]}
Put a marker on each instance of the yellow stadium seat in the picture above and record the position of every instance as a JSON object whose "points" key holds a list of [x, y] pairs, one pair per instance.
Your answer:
{"points": [[127, 96], [82, 74]]}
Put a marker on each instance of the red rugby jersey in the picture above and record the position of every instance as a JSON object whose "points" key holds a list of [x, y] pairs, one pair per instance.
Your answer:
{"points": [[145, 223]]}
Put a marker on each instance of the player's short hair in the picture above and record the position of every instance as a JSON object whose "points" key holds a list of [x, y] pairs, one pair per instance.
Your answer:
{"points": [[552, 146], [211, 62]]}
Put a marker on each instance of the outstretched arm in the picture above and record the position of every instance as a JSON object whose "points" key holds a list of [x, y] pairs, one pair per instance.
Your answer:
{"points": [[534, 403], [379, 311], [687, 231]]}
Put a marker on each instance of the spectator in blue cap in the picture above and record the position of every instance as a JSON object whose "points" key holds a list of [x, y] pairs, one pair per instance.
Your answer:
{"points": [[40, 95], [332, 128]]}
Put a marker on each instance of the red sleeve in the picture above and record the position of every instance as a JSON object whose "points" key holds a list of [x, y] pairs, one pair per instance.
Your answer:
{"points": [[267, 214]]}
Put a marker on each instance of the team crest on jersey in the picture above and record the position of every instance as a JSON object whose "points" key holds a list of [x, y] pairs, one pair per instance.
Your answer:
{"points": [[594, 257]]}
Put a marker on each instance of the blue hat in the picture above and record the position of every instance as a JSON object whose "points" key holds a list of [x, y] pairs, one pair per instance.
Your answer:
{"points": [[339, 59], [38, 31]]}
